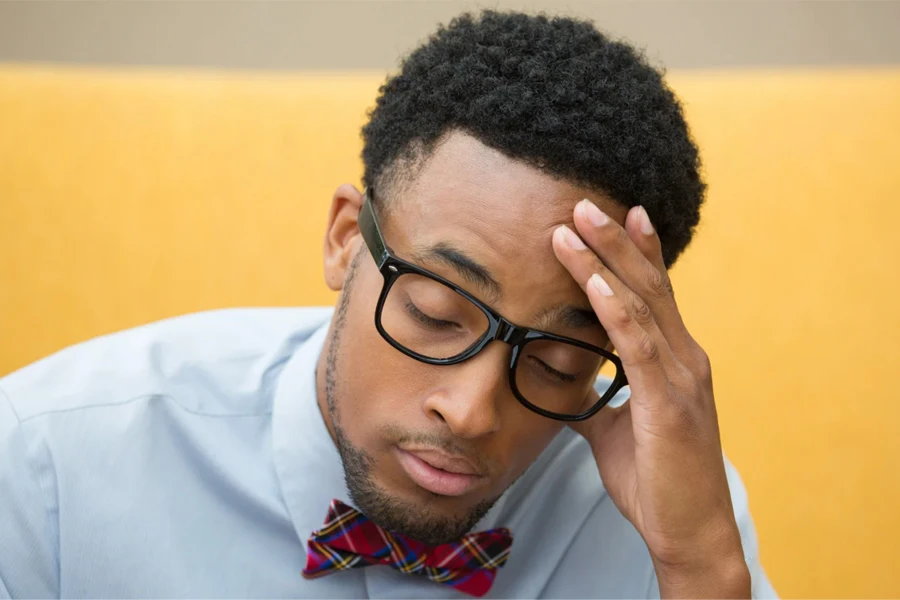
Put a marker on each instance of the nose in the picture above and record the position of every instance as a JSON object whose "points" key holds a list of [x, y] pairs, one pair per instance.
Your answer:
{"points": [[468, 401]]}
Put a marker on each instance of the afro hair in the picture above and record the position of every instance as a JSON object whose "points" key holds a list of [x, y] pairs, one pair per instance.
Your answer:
{"points": [[554, 93]]}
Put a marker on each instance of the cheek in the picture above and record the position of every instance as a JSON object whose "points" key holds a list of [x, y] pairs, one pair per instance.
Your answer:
{"points": [[376, 384]]}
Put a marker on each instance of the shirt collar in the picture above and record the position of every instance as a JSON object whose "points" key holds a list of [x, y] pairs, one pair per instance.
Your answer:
{"points": [[306, 460]]}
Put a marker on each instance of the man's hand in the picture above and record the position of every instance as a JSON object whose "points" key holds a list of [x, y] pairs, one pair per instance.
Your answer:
{"points": [[659, 455]]}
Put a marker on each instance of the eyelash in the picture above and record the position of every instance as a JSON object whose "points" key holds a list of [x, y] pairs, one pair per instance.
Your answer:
{"points": [[565, 377], [425, 319]]}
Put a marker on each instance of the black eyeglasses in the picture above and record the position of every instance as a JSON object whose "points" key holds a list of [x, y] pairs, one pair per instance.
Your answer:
{"points": [[430, 319]]}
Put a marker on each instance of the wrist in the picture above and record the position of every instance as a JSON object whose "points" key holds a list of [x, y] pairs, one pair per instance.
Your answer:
{"points": [[710, 566], [725, 576]]}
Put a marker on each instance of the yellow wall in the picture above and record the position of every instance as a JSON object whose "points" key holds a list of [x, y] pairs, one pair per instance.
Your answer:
{"points": [[127, 197]]}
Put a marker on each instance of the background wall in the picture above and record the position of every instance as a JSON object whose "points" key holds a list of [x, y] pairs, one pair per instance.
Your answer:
{"points": [[371, 34], [133, 194]]}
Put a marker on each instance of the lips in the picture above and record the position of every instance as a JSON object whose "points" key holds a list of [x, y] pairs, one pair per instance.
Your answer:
{"points": [[439, 473], [441, 461]]}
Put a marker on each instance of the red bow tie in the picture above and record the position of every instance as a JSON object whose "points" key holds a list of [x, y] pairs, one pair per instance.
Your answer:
{"points": [[349, 540]]}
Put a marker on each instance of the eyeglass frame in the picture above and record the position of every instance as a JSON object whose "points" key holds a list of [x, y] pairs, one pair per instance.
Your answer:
{"points": [[499, 328]]}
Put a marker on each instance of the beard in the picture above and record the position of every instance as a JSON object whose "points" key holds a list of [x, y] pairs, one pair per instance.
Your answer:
{"points": [[413, 520]]}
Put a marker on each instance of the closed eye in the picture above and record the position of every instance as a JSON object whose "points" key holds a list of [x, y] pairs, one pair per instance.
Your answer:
{"points": [[565, 377], [427, 320]]}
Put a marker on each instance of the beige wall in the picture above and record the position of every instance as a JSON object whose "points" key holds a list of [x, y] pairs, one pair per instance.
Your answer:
{"points": [[372, 34]]}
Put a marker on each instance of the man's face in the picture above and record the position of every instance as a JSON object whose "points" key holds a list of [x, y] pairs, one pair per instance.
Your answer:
{"points": [[427, 449]]}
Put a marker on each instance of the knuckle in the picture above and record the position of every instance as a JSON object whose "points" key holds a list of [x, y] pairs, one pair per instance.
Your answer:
{"points": [[658, 283], [703, 366], [683, 380], [696, 362], [692, 410], [690, 384], [619, 237], [647, 348], [621, 316], [612, 237], [641, 311]]}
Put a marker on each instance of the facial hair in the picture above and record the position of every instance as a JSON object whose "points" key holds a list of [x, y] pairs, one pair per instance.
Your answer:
{"points": [[416, 521]]}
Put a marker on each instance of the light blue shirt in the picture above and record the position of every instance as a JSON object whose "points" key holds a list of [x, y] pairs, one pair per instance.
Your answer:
{"points": [[188, 458]]}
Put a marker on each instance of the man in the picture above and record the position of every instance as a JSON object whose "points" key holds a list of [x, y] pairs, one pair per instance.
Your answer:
{"points": [[528, 182]]}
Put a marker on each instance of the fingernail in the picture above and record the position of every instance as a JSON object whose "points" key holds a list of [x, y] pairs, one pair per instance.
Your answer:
{"points": [[571, 239], [594, 215], [600, 285], [646, 225]]}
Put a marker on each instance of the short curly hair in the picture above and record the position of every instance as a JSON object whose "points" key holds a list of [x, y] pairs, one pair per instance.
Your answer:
{"points": [[555, 93]]}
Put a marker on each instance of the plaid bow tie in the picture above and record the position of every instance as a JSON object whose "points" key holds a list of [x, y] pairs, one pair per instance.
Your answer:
{"points": [[349, 539]]}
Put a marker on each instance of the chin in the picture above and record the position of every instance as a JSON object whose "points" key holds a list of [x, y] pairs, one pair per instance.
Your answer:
{"points": [[415, 512], [404, 496]]}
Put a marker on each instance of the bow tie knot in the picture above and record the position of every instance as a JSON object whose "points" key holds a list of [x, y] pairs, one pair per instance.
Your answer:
{"points": [[350, 540]]}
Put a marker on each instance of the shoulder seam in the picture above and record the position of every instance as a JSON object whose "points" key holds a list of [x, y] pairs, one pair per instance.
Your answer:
{"points": [[86, 406], [12, 407], [47, 413]]}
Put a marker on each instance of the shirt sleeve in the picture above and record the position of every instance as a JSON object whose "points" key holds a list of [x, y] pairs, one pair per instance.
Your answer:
{"points": [[28, 564], [608, 559], [760, 586]]}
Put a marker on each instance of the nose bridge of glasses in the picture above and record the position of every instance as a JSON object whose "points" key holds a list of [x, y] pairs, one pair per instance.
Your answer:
{"points": [[508, 333]]}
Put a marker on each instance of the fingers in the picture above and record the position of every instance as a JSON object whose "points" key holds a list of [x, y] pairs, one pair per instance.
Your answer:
{"points": [[628, 320], [642, 233], [634, 254]]}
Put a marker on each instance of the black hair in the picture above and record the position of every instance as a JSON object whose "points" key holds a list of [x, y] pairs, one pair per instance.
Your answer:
{"points": [[555, 93]]}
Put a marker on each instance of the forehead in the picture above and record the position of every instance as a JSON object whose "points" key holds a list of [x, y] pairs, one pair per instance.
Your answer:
{"points": [[501, 213]]}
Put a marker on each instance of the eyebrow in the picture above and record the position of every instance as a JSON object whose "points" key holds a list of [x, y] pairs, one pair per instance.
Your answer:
{"points": [[467, 267], [561, 315], [569, 316]]}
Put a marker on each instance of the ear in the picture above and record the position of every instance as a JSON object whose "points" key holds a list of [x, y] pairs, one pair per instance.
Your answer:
{"points": [[342, 237]]}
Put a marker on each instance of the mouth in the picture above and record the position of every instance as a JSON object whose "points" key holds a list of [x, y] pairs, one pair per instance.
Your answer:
{"points": [[439, 473]]}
